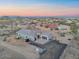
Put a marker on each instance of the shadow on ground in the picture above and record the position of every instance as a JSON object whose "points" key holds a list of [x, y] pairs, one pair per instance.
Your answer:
{"points": [[54, 50]]}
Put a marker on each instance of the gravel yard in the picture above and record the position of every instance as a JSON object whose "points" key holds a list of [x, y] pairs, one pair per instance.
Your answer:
{"points": [[27, 51], [6, 53], [70, 53], [72, 50]]}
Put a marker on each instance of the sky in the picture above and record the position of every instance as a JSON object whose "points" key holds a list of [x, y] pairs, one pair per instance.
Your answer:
{"points": [[39, 7]]}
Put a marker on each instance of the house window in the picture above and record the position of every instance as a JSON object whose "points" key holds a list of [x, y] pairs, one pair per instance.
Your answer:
{"points": [[35, 39], [26, 36], [27, 40], [43, 37], [38, 36]]}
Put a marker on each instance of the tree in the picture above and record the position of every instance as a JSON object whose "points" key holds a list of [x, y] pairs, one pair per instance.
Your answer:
{"points": [[4, 18], [74, 28]]}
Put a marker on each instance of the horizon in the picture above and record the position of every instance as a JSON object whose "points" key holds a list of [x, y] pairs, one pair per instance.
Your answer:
{"points": [[39, 8], [75, 17]]}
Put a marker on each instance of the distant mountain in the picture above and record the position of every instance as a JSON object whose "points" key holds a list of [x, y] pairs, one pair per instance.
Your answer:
{"points": [[42, 16]]}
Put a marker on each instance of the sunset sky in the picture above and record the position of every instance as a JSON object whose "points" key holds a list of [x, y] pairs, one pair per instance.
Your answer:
{"points": [[39, 7]]}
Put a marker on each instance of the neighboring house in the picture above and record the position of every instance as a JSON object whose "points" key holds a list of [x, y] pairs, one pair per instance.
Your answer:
{"points": [[64, 28], [52, 26]]}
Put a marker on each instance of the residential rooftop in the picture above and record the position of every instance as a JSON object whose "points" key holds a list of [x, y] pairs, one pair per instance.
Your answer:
{"points": [[32, 34]]}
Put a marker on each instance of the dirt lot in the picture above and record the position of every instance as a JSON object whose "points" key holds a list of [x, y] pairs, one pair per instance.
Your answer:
{"points": [[6, 53], [12, 40], [27, 50], [70, 53]]}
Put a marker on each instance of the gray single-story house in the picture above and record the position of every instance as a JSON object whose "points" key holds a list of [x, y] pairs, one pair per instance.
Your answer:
{"points": [[33, 35], [26, 34], [46, 35]]}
